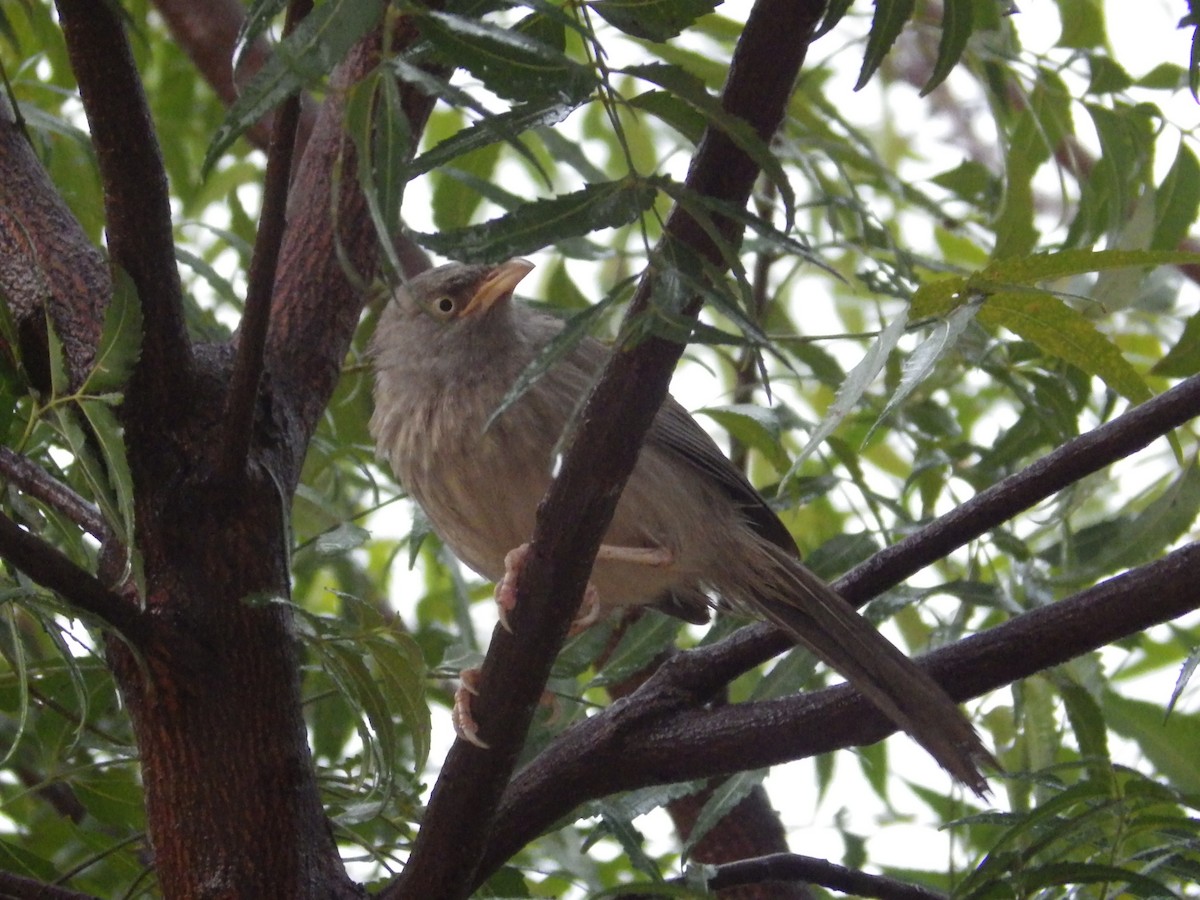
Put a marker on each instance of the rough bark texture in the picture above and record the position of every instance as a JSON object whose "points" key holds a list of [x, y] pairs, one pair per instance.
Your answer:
{"points": [[47, 262]]}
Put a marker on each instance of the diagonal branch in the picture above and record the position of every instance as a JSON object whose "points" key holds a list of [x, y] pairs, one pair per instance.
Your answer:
{"points": [[136, 205], [575, 513], [720, 663], [659, 735], [17, 887], [52, 569], [35, 481], [793, 867], [248, 364]]}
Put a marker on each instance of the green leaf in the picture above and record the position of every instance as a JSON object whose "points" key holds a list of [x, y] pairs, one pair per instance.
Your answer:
{"points": [[691, 90], [376, 121], [19, 861], [109, 435], [670, 109], [1183, 360], [754, 426], [642, 642], [403, 676], [958, 21], [259, 16], [1169, 743], [544, 222], [721, 801], [308, 53], [1043, 318], [857, 381], [1066, 333], [1152, 531], [120, 339], [886, 25], [490, 129], [1107, 76], [920, 363], [66, 419], [653, 20], [1177, 201], [1082, 24], [1087, 721], [510, 63]]}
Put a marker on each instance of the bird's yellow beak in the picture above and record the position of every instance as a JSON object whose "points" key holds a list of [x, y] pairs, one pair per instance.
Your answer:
{"points": [[498, 283]]}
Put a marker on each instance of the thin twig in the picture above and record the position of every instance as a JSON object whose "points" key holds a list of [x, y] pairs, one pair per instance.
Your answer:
{"points": [[52, 569], [248, 365], [37, 482]]}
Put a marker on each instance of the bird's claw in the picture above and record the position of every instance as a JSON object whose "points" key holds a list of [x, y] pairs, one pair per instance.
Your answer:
{"points": [[460, 712], [506, 587]]}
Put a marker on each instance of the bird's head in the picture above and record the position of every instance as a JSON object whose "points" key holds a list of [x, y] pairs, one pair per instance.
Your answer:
{"points": [[452, 317], [462, 292]]}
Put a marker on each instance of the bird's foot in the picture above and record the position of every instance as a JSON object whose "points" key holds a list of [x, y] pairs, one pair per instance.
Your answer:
{"points": [[590, 610], [460, 713], [464, 722], [506, 587], [657, 557]]}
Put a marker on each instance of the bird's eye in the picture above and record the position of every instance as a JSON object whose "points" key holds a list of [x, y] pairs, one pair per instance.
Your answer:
{"points": [[444, 305]]}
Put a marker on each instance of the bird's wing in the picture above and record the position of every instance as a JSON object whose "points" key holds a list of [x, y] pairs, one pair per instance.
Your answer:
{"points": [[675, 431]]}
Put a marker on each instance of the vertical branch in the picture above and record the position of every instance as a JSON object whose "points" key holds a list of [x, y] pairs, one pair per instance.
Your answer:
{"points": [[248, 365], [136, 205], [330, 247]]}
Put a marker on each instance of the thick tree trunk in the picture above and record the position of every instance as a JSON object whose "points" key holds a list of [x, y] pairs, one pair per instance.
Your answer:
{"points": [[232, 803]]}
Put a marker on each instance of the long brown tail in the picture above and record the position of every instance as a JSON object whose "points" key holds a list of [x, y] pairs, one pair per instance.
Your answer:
{"points": [[818, 617]]}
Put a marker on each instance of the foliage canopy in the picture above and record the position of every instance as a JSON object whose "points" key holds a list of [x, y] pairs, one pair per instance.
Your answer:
{"points": [[980, 260]]}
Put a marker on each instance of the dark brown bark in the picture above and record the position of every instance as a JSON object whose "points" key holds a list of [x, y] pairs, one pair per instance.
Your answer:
{"points": [[47, 262], [213, 693]]}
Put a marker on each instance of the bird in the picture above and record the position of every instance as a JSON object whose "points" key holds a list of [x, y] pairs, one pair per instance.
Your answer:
{"points": [[449, 345]]}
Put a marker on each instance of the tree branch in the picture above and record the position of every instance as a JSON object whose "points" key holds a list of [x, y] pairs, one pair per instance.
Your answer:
{"points": [[1073, 461], [329, 251], [37, 483], [793, 867], [248, 364], [47, 263], [52, 569], [575, 513], [136, 205], [659, 736], [208, 33], [17, 887]]}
